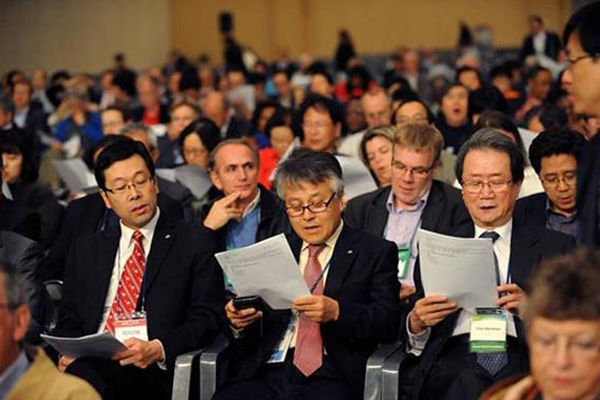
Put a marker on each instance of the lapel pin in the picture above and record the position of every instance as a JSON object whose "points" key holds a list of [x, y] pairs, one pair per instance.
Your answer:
{"points": [[350, 251], [167, 237]]}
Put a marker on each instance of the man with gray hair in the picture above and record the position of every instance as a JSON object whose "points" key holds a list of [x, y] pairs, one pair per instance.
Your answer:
{"points": [[319, 349], [490, 170], [27, 373]]}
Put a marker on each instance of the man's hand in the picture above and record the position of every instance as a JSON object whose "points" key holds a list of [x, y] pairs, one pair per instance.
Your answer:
{"points": [[241, 318], [513, 295], [406, 291], [429, 311], [64, 362], [317, 308], [223, 211], [140, 353]]}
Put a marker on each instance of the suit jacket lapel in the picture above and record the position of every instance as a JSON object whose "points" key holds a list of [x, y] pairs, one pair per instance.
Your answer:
{"points": [[109, 245], [380, 214], [522, 258], [164, 235], [436, 205], [341, 261]]}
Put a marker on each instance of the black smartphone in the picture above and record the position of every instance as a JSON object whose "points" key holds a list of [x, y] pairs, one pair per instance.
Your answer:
{"points": [[244, 302]]}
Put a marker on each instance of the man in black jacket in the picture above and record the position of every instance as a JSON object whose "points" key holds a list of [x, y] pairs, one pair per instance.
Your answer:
{"points": [[352, 307], [415, 200], [540, 41], [490, 170], [553, 154]]}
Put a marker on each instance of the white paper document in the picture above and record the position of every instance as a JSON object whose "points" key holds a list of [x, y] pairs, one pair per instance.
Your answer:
{"points": [[267, 269], [461, 269], [76, 175], [357, 178], [103, 345]]}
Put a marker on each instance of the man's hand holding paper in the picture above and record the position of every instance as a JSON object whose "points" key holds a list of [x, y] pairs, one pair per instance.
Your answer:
{"points": [[317, 308], [429, 311]]}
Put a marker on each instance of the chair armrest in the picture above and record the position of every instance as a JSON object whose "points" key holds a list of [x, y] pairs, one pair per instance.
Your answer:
{"points": [[390, 375], [182, 376], [373, 382], [209, 364]]}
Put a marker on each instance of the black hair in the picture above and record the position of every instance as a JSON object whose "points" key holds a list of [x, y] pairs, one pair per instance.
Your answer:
{"points": [[554, 142], [125, 81], [14, 142], [497, 120], [323, 72], [487, 97], [430, 116], [550, 115], [584, 23], [7, 105], [282, 117], [207, 131], [468, 68], [405, 94], [189, 80], [260, 107], [104, 141], [323, 104], [535, 71], [118, 151], [125, 114]]}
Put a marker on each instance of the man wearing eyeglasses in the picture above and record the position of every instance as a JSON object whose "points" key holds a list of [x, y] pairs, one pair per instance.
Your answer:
{"points": [[490, 170], [582, 38], [151, 273], [414, 200], [318, 350], [553, 155]]}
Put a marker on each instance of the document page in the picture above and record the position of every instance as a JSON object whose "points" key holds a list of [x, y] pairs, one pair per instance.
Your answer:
{"points": [[267, 269], [461, 269], [103, 345], [76, 174]]}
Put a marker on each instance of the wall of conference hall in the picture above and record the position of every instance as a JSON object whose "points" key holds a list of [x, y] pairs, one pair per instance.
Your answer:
{"points": [[82, 35]]}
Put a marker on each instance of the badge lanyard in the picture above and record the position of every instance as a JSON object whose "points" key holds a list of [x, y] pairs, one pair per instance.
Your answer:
{"points": [[405, 253]]}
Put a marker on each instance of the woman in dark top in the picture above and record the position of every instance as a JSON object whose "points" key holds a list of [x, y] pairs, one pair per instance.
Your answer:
{"points": [[453, 119]]}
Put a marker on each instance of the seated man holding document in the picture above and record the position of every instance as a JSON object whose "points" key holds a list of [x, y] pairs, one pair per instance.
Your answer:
{"points": [[151, 282], [319, 348], [458, 357]]}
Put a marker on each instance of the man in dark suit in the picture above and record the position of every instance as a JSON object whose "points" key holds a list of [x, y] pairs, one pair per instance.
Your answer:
{"points": [[152, 270], [490, 170], [182, 114], [29, 114], [540, 41], [216, 108], [582, 39], [414, 200], [353, 307], [247, 213], [553, 155]]}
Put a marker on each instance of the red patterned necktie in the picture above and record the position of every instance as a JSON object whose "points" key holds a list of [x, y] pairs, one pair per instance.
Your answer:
{"points": [[130, 284], [308, 356]]}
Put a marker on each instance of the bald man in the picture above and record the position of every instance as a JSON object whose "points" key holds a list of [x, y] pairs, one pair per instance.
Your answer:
{"points": [[216, 108]]}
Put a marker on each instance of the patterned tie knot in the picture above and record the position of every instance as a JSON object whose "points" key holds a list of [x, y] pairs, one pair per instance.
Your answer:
{"points": [[315, 249], [490, 235], [138, 237]]}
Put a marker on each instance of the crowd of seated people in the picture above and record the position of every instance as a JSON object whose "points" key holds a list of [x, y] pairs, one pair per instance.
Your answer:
{"points": [[500, 150]]}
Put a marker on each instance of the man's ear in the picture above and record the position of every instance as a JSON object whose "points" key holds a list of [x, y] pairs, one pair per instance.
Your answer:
{"points": [[214, 177], [338, 130], [22, 317], [105, 198]]}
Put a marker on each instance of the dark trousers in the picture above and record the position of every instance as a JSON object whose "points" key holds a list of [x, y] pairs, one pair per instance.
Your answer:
{"points": [[456, 374], [115, 382], [283, 381]]}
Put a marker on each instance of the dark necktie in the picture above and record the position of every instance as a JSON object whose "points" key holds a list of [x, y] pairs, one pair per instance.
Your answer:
{"points": [[493, 362], [308, 356]]}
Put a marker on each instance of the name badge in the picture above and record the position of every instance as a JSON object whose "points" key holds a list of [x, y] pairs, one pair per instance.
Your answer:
{"points": [[488, 330], [403, 261], [135, 326], [278, 355]]}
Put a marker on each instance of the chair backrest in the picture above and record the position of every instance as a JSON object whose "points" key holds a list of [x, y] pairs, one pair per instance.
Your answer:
{"points": [[52, 295]]}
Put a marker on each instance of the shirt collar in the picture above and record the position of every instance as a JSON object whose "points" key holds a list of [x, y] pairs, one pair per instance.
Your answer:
{"points": [[11, 375], [147, 230], [253, 204], [417, 207], [504, 231], [549, 211], [331, 241]]}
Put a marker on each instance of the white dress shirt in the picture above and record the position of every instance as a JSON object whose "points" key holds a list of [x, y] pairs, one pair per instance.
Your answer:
{"points": [[416, 343], [126, 246]]}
